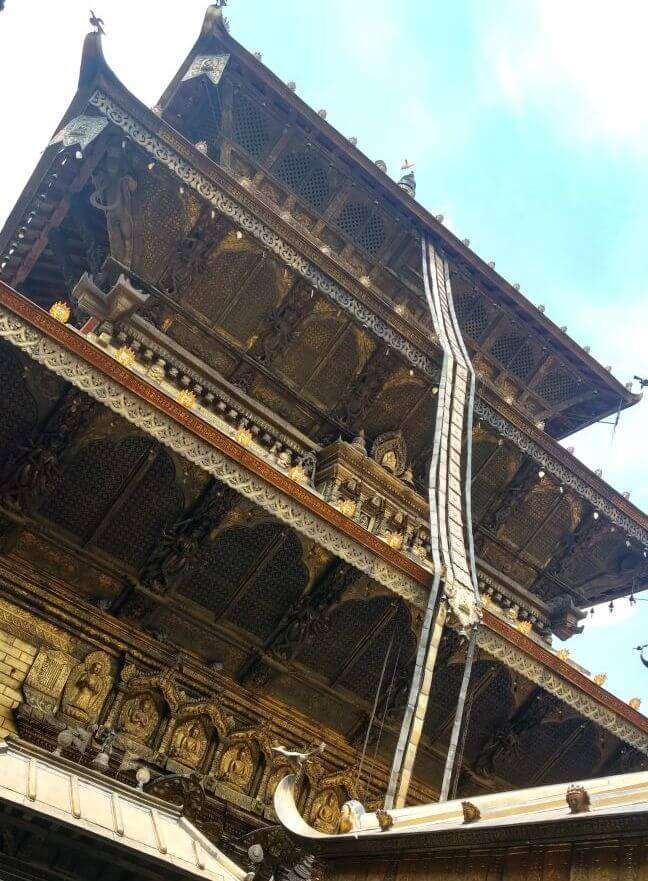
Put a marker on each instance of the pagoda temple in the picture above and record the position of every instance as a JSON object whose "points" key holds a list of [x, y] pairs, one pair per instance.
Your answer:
{"points": [[281, 476]]}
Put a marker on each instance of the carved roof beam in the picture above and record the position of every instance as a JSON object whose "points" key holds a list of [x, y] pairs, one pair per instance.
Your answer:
{"points": [[301, 622], [32, 474], [567, 744], [51, 211], [266, 555], [179, 545]]}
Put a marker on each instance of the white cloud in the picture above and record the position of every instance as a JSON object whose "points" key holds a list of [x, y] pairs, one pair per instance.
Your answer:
{"points": [[583, 62]]}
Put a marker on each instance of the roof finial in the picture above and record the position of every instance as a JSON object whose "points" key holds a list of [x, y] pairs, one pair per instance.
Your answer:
{"points": [[408, 181], [97, 23]]}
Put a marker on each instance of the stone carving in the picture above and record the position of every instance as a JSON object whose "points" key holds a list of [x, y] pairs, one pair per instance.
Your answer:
{"points": [[46, 679], [578, 799], [189, 742], [389, 451], [87, 688]]}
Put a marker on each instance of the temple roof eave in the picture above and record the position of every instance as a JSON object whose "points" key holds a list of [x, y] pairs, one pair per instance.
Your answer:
{"points": [[519, 428], [74, 358], [541, 810], [214, 33]]}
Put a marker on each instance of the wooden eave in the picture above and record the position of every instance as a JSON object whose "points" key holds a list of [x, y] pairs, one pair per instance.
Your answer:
{"points": [[100, 360], [95, 74], [215, 33]]}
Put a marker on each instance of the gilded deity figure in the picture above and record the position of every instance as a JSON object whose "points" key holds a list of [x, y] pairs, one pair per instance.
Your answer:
{"points": [[325, 813], [237, 766], [189, 743], [139, 717], [87, 688]]}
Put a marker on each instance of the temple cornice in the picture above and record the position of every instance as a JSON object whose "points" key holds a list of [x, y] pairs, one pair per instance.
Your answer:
{"points": [[73, 357]]}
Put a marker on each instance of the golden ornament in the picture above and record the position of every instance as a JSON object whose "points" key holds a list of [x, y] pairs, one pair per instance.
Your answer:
{"points": [[600, 678], [525, 627], [298, 474], [186, 398], [125, 355], [394, 539], [635, 702], [243, 436], [346, 507], [61, 311], [563, 654]]}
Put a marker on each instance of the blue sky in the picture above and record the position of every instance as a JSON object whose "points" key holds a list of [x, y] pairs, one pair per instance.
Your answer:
{"points": [[528, 124]]}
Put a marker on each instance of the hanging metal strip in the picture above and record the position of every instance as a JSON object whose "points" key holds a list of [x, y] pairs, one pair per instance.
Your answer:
{"points": [[458, 720], [452, 553]]}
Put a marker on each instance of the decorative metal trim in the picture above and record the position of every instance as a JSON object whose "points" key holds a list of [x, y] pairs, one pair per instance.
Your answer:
{"points": [[80, 131], [567, 477], [221, 202], [514, 658], [211, 66], [146, 417], [78, 372], [218, 200]]}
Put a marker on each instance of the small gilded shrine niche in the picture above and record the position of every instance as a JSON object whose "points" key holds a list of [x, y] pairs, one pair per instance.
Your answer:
{"points": [[197, 729], [325, 794], [87, 688], [143, 703], [376, 490], [59, 683], [389, 451], [246, 759]]}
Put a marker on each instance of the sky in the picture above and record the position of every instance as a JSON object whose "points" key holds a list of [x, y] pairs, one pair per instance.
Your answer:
{"points": [[528, 124]]}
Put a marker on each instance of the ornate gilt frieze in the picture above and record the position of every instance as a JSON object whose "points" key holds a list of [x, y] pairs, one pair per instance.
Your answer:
{"points": [[145, 416]]}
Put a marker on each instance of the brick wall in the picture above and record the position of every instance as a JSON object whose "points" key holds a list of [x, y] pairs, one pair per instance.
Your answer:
{"points": [[16, 658]]}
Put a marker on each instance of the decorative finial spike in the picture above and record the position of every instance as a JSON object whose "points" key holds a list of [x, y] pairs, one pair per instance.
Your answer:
{"points": [[408, 181], [97, 23]]}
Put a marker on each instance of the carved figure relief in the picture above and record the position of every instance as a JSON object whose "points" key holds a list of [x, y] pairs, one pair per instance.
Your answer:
{"points": [[113, 194], [237, 766], [46, 679], [139, 717], [325, 811], [389, 451], [87, 688], [189, 742]]}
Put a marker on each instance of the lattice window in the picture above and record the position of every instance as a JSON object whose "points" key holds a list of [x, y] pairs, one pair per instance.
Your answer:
{"points": [[251, 129], [471, 315], [363, 226], [523, 362], [558, 386], [306, 177], [506, 347]]}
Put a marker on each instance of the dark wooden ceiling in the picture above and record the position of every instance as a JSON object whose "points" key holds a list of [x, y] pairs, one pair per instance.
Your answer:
{"points": [[94, 502]]}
